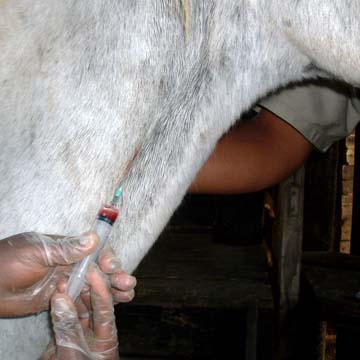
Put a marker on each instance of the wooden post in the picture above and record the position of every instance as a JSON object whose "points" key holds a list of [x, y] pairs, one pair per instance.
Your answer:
{"points": [[355, 231], [289, 231], [252, 318], [288, 235], [348, 335]]}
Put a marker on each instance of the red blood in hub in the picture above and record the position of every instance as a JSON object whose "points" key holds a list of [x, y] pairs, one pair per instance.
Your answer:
{"points": [[109, 211]]}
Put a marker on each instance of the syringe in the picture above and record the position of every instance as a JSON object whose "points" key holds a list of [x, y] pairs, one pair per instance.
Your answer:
{"points": [[105, 219]]}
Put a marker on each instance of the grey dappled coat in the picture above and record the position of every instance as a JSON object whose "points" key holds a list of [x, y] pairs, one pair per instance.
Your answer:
{"points": [[89, 88]]}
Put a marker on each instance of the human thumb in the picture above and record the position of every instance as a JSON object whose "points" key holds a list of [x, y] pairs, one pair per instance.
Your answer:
{"points": [[70, 250], [67, 327]]}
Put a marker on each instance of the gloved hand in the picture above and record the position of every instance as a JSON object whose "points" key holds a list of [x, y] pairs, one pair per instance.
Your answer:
{"points": [[84, 331], [32, 264], [122, 284]]}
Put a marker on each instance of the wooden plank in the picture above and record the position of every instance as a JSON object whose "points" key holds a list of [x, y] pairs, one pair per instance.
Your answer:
{"points": [[288, 231], [355, 232], [329, 260], [335, 290], [201, 293], [187, 333], [288, 243], [187, 255], [190, 270], [192, 301]]}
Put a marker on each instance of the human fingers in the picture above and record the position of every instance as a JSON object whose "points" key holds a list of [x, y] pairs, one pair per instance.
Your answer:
{"points": [[122, 283], [120, 296], [69, 335], [104, 326], [83, 307], [50, 352]]}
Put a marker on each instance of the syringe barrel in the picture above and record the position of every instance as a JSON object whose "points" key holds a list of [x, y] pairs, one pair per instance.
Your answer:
{"points": [[77, 277]]}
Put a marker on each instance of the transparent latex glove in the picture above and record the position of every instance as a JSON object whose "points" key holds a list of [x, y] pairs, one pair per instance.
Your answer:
{"points": [[86, 330], [32, 264], [122, 284]]}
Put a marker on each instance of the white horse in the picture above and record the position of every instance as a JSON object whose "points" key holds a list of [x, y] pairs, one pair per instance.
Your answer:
{"points": [[94, 92]]}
